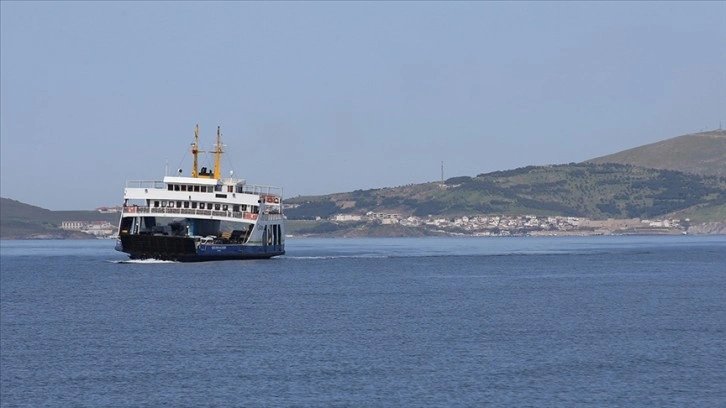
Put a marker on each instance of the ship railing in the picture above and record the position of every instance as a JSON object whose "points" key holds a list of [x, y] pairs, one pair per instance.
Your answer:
{"points": [[256, 189], [155, 184], [262, 190], [246, 215]]}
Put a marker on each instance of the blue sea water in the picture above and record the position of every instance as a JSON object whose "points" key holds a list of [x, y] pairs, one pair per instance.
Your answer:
{"points": [[454, 322]]}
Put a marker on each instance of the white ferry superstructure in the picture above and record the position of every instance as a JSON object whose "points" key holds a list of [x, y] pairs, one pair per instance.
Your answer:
{"points": [[202, 217]]}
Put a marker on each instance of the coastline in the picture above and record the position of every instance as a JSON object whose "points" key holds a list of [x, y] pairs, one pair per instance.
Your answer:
{"points": [[372, 230]]}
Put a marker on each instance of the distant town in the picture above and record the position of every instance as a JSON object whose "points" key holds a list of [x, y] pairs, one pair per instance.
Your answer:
{"points": [[475, 225], [99, 229], [508, 225]]}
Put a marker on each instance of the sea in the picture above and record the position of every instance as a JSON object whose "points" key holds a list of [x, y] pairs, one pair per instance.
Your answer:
{"points": [[607, 321]]}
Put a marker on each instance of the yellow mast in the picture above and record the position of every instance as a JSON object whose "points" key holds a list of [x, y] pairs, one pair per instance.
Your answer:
{"points": [[218, 156], [195, 150]]}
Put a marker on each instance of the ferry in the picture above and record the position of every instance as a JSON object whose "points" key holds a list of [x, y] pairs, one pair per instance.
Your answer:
{"points": [[201, 217]]}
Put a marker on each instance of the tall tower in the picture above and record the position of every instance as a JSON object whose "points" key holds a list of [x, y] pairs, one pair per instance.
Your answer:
{"points": [[442, 172]]}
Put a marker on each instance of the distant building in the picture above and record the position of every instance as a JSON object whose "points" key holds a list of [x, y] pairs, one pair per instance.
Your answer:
{"points": [[97, 228], [73, 225], [347, 217]]}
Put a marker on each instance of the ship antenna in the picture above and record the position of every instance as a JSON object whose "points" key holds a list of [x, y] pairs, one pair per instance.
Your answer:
{"points": [[218, 156]]}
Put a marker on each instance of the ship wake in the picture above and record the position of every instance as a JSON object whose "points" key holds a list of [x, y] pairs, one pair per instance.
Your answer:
{"points": [[142, 261]]}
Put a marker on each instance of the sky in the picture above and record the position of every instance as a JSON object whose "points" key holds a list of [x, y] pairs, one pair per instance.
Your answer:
{"points": [[327, 97]]}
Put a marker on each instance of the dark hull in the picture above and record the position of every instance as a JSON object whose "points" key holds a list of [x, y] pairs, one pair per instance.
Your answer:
{"points": [[184, 249]]}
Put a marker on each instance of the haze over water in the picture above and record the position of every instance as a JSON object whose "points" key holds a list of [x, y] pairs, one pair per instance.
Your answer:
{"points": [[596, 321]]}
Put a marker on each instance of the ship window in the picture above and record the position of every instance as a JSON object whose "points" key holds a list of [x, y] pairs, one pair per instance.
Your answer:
{"points": [[224, 207], [194, 204], [244, 207], [196, 188], [186, 204], [230, 189], [156, 203], [170, 187], [183, 187], [176, 187], [235, 208], [216, 206], [190, 188], [254, 209], [209, 206], [163, 203], [178, 204], [171, 204]]}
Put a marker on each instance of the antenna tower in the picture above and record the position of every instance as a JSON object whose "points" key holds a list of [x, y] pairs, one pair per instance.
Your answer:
{"points": [[442, 172]]}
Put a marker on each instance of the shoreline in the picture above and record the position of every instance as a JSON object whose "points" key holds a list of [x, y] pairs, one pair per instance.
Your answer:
{"points": [[389, 231]]}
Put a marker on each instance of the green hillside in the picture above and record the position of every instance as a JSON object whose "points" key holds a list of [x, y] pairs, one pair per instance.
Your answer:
{"points": [[682, 177], [595, 191], [21, 221], [699, 153]]}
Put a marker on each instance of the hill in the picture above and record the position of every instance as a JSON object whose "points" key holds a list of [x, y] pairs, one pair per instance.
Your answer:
{"points": [[683, 177], [679, 177], [23, 221], [699, 153], [595, 191]]}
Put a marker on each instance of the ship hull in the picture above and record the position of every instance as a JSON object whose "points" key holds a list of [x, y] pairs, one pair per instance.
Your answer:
{"points": [[185, 249]]}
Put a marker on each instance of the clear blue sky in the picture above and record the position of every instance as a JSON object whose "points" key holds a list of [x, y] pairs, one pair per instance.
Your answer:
{"points": [[325, 97]]}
